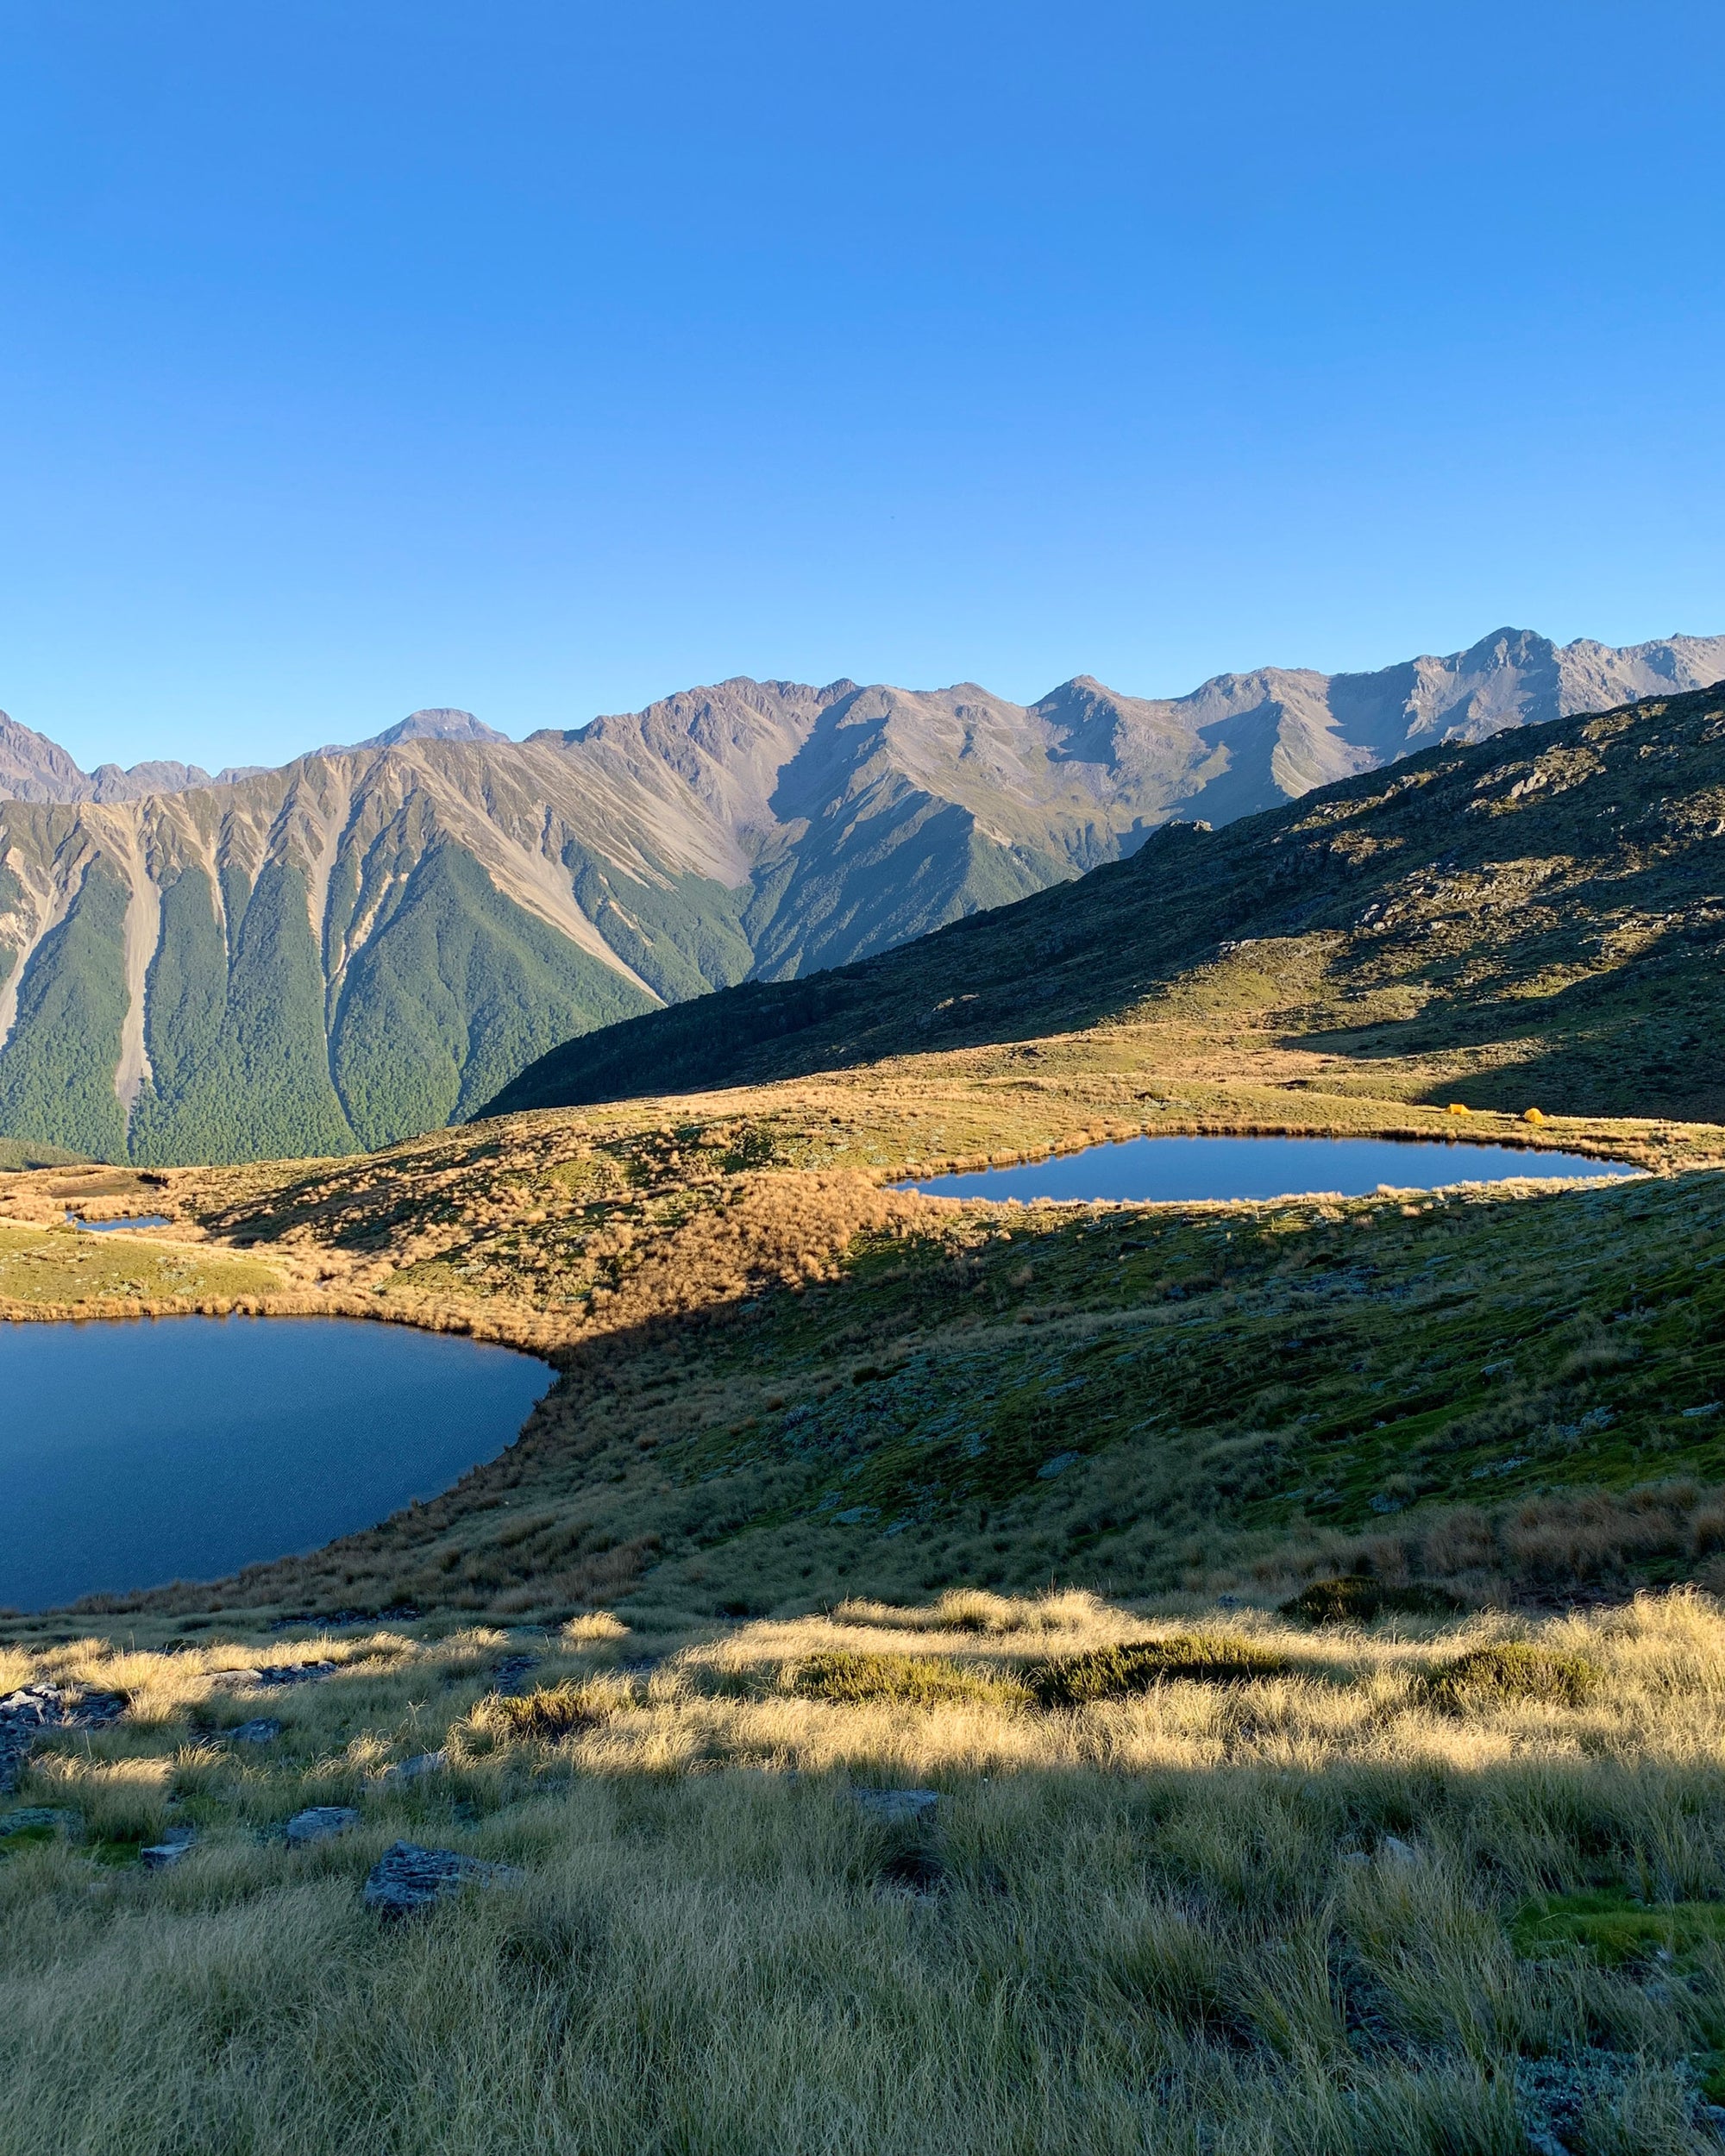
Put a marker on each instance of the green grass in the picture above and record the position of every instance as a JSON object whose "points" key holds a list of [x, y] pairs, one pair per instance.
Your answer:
{"points": [[846, 1678], [61, 1267], [1484, 1393], [1614, 1927], [1355, 1599], [1121, 1672]]}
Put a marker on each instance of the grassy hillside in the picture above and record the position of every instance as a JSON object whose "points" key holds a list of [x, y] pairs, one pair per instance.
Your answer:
{"points": [[1437, 1890], [1535, 918], [1130, 1403], [784, 1382]]}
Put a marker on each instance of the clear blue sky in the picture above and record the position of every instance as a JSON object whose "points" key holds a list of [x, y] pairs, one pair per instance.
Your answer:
{"points": [[544, 357]]}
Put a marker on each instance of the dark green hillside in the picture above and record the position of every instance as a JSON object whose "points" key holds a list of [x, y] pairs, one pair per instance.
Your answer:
{"points": [[262, 1088], [455, 992], [186, 994], [1543, 913], [682, 936], [56, 1070]]}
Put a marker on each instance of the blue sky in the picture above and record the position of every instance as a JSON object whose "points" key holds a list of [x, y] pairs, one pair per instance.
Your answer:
{"points": [[544, 357]]}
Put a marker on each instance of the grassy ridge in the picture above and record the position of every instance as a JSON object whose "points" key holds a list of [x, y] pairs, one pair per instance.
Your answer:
{"points": [[1125, 1401], [63, 1269], [783, 1381]]}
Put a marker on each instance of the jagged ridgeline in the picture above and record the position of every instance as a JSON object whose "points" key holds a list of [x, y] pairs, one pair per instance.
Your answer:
{"points": [[1538, 918], [371, 942]]}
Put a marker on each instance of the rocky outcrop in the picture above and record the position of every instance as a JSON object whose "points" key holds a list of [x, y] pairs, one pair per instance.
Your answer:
{"points": [[36, 1709]]}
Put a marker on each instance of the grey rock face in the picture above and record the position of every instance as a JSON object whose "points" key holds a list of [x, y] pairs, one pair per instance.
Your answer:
{"points": [[320, 1822], [507, 1676], [1565, 2098], [33, 1818], [439, 722], [406, 1878], [263, 1729]]}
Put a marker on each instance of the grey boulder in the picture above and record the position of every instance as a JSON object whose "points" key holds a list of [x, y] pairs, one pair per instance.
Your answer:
{"points": [[319, 1823], [415, 1770], [897, 1808], [173, 1844], [406, 1878], [35, 1709], [272, 1679]]}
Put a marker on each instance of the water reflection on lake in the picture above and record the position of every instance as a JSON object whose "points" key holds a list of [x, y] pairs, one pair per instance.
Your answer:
{"points": [[1143, 1170], [133, 1453]]}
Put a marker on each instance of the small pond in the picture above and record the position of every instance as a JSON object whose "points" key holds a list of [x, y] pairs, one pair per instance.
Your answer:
{"points": [[133, 1453], [1142, 1170]]}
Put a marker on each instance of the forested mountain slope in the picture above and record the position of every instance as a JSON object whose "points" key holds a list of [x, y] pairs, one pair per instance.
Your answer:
{"points": [[1550, 903], [369, 942]]}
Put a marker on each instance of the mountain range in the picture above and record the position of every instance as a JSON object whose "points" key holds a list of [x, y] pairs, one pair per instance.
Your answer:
{"points": [[1534, 918], [370, 941]]}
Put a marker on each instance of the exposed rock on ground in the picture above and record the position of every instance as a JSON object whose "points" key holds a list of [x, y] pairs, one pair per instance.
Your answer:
{"points": [[407, 1877], [319, 1823], [898, 1807], [163, 1855], [31, 1712]]}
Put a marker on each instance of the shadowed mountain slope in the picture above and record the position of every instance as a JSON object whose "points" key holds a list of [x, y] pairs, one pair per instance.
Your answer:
{"points": [[1552, 903]]}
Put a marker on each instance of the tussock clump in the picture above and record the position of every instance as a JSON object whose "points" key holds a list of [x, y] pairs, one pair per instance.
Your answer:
{"points": [[974, 1609], [1355, 1599], [544, 1717], [593, 1627], [845, 1677], [1103, 1673], [1510, 1671]]}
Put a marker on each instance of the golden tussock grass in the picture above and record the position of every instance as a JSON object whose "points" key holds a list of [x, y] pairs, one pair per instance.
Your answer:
{"points": [[1273, 1915]]}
